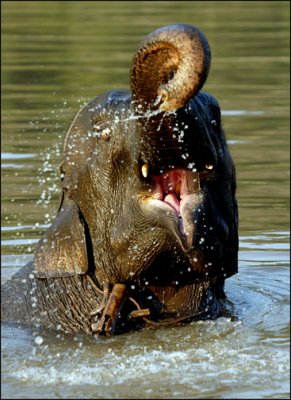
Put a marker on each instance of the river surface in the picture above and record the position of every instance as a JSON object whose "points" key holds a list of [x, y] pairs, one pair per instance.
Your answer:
{"points": [[58, 55]]}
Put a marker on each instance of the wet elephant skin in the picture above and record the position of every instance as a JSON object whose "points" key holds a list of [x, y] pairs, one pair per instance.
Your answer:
{"points": [[147, 228]]}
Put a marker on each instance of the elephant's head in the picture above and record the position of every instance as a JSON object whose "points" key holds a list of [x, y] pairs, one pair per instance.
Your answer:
{"points": [[148, 184]]}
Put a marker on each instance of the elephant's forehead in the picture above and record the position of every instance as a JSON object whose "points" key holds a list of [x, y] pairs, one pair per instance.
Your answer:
{"points": [[103, 110], [82, 143]]}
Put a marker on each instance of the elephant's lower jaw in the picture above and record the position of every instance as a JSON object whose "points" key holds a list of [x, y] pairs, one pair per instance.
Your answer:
{"points": [[171, 199]]}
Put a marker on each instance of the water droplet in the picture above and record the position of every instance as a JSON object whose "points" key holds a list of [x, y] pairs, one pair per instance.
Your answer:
{"points": [[38, 340]]}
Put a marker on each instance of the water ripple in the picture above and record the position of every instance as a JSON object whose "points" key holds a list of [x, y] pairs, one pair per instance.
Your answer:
{"points": [[241, 113], [17, 156]]}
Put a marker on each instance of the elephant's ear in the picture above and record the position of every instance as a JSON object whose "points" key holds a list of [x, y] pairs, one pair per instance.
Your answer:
{"points": [[62, 252]]}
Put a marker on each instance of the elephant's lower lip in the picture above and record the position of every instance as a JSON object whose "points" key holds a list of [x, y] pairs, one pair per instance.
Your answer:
{"points": [[173, 201]]}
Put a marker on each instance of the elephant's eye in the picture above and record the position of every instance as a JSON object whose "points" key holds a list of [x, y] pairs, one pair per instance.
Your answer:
{"points": [[145, 170], [207, 172], [209, 167], [214, 123]]}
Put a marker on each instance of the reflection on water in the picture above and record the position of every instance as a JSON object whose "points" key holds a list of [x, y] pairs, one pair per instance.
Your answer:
{"points": [[59, 55]]}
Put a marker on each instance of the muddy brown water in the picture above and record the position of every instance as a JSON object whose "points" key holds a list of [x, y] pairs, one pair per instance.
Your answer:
{"points": [[56, 56]]}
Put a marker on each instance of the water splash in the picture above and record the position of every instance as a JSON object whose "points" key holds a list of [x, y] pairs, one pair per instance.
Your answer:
{"points": [[48, 178]]}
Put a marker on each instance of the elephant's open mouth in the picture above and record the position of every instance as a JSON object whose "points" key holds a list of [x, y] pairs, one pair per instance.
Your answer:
{"points": [[175, 195], [173, 187]]}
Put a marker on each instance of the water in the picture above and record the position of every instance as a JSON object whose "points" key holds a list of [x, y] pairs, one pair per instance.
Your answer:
{"points": [[56, 56]]}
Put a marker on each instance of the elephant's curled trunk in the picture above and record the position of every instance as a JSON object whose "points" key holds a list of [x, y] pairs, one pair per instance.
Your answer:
{"points": [[170, 67]]}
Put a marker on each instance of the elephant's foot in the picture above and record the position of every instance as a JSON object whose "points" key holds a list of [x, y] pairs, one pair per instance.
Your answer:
{"points": [[110, 307]]}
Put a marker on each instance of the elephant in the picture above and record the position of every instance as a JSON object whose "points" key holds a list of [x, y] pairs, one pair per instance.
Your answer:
{"points": [[147, 228]]}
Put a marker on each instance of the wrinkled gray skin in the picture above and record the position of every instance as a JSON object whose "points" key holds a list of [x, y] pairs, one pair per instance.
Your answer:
{"points": [[148, 200]]}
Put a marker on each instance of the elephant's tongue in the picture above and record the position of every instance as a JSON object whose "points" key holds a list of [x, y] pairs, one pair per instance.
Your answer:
{"points": [[172, 187]]}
